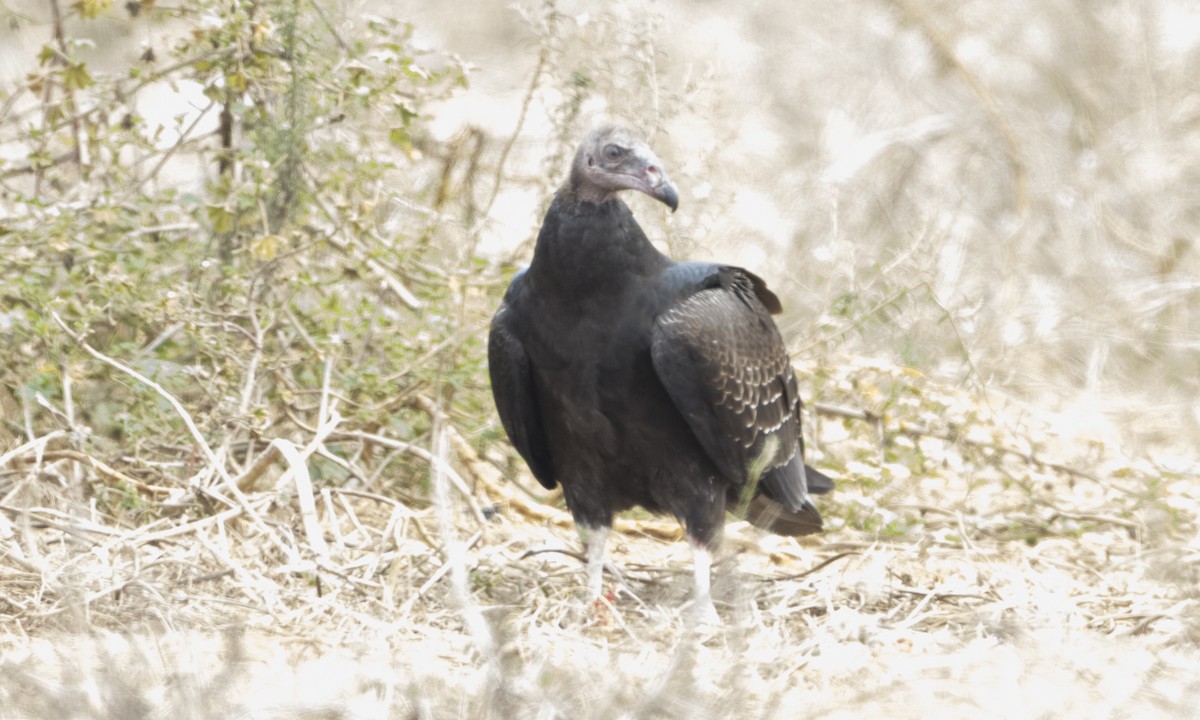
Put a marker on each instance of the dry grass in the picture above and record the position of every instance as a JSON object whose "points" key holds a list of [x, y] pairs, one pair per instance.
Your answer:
{"points": [[986, 571]]}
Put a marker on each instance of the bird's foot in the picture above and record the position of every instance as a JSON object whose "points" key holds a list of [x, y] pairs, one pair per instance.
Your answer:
{"points": [[604, 607]]}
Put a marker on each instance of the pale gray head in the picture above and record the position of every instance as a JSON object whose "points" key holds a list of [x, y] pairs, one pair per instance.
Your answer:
{"points": [[612, 158]]}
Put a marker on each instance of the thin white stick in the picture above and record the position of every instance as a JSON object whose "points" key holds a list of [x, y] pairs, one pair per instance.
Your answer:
{"points": [[438, 463], [38, 444], [184, 415]]}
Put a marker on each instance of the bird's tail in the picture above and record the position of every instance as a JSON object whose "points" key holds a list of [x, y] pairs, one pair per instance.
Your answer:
{"points": [[818, 482], [780, 504], [765, 513]]}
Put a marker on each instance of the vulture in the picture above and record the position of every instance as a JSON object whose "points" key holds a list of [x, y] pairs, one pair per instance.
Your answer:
{"points": [[631, 379]]}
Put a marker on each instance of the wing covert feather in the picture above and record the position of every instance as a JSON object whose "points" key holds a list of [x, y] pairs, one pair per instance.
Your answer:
{"points": [[724, 364]]}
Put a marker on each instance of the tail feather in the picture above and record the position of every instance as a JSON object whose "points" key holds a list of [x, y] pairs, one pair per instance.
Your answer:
{"points": [[780, 503], [766, 514], [818, 482], [791, 483]]}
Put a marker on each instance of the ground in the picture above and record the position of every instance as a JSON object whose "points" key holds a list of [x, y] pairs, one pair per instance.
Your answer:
{"points": [[971, 569]]}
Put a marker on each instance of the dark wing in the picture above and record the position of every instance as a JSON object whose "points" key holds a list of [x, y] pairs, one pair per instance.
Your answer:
{"points": [[723, 362], [513, 390]]}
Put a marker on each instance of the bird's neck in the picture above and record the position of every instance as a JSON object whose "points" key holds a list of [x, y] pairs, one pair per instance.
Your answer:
{"points": [[580, 190], [587, 247]]}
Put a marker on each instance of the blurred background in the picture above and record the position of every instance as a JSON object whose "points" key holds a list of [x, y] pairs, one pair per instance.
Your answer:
{"points": [[1002, 196]]}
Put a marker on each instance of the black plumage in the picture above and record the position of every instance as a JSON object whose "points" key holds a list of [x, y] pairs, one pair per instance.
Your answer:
{"points": [[632, 379]]}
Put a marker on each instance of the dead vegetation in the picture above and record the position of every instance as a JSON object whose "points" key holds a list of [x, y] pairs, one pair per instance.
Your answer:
{"points": [[975, 563]]}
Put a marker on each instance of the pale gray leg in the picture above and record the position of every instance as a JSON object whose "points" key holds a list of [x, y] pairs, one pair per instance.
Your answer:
{"points": [[706, 612], [594, 539]]}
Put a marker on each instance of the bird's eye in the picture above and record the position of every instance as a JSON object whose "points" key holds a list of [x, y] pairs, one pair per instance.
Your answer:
{"points": [[612, 152]]}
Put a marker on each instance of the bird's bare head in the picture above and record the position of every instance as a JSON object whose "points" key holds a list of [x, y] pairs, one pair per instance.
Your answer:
{"points": [[612, 158]]}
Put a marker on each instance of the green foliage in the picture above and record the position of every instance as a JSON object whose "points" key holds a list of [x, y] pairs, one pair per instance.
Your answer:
{"points": [[231, 252]]}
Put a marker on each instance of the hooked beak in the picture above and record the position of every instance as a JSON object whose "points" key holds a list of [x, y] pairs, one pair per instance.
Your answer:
{"points": [[654, 182], [643, 172], [666, 194]]}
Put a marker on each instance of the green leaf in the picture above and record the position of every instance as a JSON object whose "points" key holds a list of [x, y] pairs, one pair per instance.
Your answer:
{"points": [[91, 8], [236, 82], [220, 217], [266, 247], [76, 77], [46, 54]]}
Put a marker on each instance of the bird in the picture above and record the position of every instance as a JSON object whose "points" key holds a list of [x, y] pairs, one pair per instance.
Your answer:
{"points": [[631, 379]]}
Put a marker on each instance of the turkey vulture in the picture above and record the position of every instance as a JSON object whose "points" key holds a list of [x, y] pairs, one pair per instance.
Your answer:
{"points": [[636, 380]]}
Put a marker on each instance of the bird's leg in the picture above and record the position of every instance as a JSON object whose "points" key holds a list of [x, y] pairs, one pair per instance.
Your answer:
{"points": [[706, 612], [593, 540]]}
